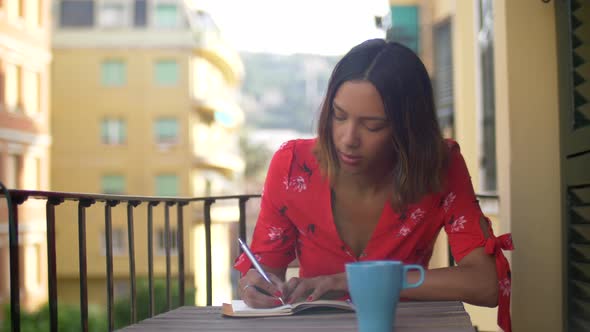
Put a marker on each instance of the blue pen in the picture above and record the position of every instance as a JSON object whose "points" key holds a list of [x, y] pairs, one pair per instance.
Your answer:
{"points": [[255, 263]]}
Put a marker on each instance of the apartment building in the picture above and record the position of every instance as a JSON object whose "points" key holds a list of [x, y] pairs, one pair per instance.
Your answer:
{"points": [[144, 100], [25, 57], [511, 86]]}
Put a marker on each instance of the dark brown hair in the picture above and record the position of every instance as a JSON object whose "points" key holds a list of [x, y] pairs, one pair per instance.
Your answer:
{"points": [[405, 88]]}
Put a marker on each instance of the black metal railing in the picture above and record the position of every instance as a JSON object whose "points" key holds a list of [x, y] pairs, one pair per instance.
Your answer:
{"points": [[17, 197]]}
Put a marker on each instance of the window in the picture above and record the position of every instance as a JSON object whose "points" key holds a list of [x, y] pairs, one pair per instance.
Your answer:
{"points": [[167, 185], [113, 131], [113, 73], [13, 171], [487, 109], [112, 14], [443, 78], [166, 72], [405, 26], [172, 236], [166, 15], [2, 87], [140, 13], [40, 12], [166, 130], [76, 13], [112, 184], [21, 8], [39, 87], [118, 241], [19, 89]]}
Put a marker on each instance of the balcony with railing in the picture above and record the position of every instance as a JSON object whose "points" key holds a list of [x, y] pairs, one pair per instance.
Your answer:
{"points": [[154, 206]]}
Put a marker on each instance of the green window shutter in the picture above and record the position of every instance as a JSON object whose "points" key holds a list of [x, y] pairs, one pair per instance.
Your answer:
{"points": [[167, 185], [166, 72], [405, 26], [166, 130], [166, 15], [113, 73], [113, 184]]}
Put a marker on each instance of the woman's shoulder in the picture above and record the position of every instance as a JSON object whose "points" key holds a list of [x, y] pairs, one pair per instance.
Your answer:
{"points": [[299, 147]]}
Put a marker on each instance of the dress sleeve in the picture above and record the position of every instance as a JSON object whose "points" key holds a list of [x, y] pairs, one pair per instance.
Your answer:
{"points": [[467, 228], [274, 237]]}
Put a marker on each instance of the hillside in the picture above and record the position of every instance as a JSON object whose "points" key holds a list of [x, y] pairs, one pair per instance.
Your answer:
{"points": [[284, 91]]}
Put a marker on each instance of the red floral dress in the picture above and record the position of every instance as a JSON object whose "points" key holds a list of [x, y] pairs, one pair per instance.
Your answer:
{"points": [[296, 220]]}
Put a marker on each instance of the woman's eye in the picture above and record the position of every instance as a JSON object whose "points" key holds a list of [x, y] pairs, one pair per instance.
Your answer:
{"points": [[374, 127], [339, 117]]}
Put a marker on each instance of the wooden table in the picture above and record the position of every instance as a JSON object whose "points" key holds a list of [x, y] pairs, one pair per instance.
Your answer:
{"points": [[410, 317]]}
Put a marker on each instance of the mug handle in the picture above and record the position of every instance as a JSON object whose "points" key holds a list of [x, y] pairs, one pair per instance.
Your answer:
{"points": [[410, 267]]}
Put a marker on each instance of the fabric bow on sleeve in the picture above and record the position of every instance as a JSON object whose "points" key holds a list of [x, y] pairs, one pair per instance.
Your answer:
{"points": [[494, 246]]}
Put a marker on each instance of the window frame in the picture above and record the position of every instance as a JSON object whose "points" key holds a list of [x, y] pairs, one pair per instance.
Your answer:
{"points": [[104, 74], [126, 7], [158, 63], [170, 140], [120, 138]]}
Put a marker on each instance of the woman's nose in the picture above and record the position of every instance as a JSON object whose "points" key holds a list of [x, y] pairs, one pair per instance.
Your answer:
{"points": [[351, 136]]}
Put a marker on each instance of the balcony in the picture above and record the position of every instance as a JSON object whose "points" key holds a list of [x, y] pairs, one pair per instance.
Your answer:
{"points": [[16, 198]]}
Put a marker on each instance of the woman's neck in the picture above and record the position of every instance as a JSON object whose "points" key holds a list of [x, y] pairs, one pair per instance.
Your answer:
{"points": [[364, 184]]}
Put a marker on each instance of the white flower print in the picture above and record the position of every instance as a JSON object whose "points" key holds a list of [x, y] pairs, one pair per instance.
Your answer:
{"points": [[275, 233], [404, 231], [417, 215], [299, 183], [458, 224], [504, 285], [449, 201]]}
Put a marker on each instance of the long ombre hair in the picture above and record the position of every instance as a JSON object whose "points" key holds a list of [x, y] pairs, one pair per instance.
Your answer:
{"points": [[420, 152]]}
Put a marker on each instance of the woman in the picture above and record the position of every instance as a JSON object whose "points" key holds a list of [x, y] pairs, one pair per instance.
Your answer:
{"points": [[379, 182]]}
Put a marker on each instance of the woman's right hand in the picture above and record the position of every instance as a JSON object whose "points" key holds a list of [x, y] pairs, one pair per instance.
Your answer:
{"points": [[258, 293]]}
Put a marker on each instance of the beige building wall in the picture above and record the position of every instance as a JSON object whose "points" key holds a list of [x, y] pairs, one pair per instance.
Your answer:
{"points": [[528, 145], [25, 57], [205, 158]]}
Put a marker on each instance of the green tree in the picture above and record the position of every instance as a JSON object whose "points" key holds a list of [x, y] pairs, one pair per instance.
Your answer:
{"points": [[68, 319], [122, 308]]}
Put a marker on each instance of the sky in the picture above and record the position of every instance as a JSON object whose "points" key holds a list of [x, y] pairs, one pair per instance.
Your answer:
{"points": [[327, 27]]}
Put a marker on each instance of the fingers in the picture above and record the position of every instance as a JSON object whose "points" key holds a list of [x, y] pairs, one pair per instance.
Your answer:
{"points": [[257, 292], [311, 289], [301, 290]]}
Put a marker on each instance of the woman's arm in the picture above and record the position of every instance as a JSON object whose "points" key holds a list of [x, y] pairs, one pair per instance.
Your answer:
{"points": [[473, 280]]}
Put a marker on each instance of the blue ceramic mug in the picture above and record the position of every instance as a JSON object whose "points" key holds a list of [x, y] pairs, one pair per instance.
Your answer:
{"points": [[374, 288]]}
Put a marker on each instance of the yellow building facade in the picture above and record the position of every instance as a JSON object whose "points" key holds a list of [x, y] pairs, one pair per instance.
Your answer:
{"points": [[144, 104], [25, 140], [515, 78]]}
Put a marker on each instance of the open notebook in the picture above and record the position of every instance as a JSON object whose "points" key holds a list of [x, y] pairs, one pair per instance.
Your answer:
{"points": [[238, 308]]}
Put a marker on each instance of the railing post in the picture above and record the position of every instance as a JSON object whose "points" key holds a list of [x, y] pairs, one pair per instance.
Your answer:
{"points": [[12, 206], [131, 241], [242, 223], [52, 261], [208, 203], [108, 227], [180, 248], [82, 205], [167, 247], [151, 258]]}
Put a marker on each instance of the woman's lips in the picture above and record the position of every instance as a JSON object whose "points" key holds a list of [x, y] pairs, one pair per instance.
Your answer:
{"points": [[349, 159]]}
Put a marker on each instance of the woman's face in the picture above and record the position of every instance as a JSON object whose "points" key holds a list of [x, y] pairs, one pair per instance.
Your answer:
{"points": [[361, 133]]}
